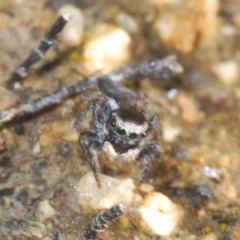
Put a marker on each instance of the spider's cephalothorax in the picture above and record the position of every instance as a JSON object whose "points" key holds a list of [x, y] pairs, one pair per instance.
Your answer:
{"points": [[121, 125]]}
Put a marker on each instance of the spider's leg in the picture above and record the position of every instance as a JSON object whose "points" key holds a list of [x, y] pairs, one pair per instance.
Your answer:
{"points": [[153, 122], [147, 155], [79, 121], [37, 53], [100, 109], [103, 219], [101, 113], [90, 145]]}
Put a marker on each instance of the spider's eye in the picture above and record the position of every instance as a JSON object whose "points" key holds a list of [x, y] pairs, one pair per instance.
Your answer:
{"points": [[121, 131], [133, 135]]}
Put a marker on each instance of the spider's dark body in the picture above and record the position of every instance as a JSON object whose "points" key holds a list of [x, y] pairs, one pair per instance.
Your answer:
{"points": [[121, 125]]}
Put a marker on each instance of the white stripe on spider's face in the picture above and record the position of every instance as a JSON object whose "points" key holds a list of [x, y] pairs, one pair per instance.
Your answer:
{"points": [[113, 104], [131, 127]]}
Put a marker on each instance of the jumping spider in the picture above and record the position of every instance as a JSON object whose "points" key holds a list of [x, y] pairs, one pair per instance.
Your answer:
{"points": [[121, 124], [120, 118]]}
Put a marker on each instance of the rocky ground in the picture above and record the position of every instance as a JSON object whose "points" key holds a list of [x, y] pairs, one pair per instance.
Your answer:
{"points": [[47, 190]]}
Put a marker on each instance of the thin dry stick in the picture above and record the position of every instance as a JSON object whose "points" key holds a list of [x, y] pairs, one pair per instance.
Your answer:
{"points": [[37, 53], [158, 69]]}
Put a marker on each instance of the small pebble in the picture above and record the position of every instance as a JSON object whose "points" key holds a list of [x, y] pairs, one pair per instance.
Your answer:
{"points": [[182, 25], [46, 140], [189, 108], [231, 191], [127, 22], [172, 93], [107, 48], [45, 210], [212, 173], [228, 30], [201, 190], [72, 33], [89, 197], [146, 188], [36, 148], [227, 72], [170, 133], [209, 236], [159, 215], [36, 232]]}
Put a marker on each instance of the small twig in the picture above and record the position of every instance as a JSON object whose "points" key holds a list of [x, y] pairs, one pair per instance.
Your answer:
{"points": [[37, 53], [158, 69]]}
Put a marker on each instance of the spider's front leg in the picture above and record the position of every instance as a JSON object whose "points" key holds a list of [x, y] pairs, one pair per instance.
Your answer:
{"points": [[147, 155], [92, 142], [91, 146]]}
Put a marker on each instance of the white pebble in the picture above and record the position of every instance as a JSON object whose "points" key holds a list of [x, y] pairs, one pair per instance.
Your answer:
{"points": [[165, 27], [36, 148], [89, 197], [172, 93], [228, 30], [45, 210], [159, 215], [72, 33], [170, 133], [127, 22], [182, 23], [227, 72], [209, 236], [212, 173], [107, 48]]}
